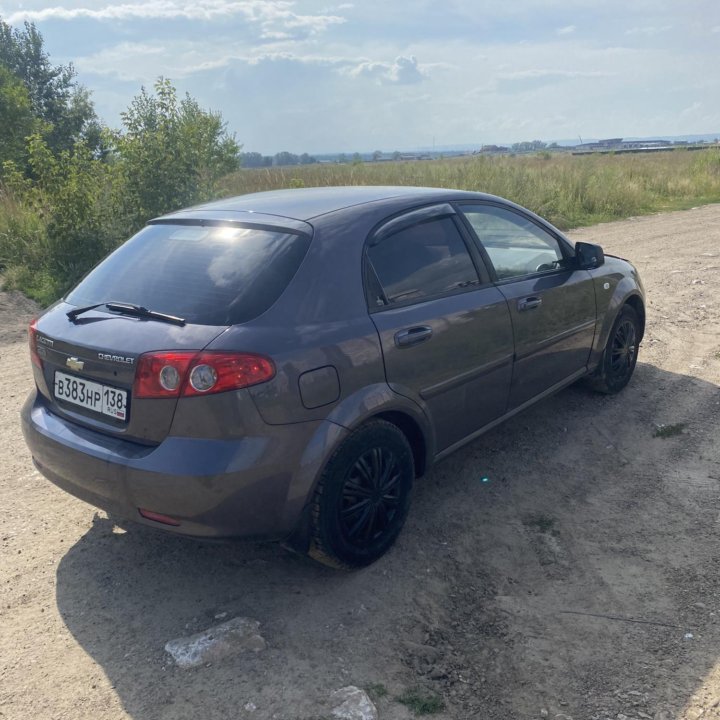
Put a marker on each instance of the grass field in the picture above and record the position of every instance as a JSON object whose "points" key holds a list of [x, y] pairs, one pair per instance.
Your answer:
{"points": [[570, 191], [44, 249]]}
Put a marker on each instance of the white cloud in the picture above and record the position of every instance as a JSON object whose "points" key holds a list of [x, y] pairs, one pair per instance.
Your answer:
{"points": [[404, 71], [693, 109], [567, 30], [271, 15], [649, 30], [551, 74]]}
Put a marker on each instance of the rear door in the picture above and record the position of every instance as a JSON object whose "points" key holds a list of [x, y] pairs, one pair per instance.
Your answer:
{"points": [[551, 303], [444, 328]]}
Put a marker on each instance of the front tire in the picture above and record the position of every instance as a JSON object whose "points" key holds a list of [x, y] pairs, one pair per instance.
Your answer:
{"points": [[620, 355], [363, 497]]}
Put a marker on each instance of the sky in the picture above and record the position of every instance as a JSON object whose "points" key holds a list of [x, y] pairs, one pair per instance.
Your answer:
{"points": [[321, 76]]}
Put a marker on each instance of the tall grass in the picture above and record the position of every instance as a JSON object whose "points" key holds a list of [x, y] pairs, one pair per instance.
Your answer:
{"points": [[568, 190], [48, 239]]}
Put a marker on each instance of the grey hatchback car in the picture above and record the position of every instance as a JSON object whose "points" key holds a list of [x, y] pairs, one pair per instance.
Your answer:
{"points": [[283, 365]]}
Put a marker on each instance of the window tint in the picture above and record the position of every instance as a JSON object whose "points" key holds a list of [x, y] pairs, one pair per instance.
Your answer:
{"points": [[516, 245], [421, 261], [207, 275]]}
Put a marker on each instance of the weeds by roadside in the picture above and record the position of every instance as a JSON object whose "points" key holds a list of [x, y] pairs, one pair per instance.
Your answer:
{"points": [[668, 431], [421, 701]]}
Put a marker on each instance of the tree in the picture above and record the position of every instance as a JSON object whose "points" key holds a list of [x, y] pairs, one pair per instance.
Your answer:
{"points": [[396, 155], [56, 98], [357, 159], [286, 158], [342, 158], [306, 159], [252, 160], [17, 121], [171, 152], [377, 155]]}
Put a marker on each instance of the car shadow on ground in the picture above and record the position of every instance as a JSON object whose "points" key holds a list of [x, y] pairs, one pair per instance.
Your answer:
{"points": [[558, 563]]}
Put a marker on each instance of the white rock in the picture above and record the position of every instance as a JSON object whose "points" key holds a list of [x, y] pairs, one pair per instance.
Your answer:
{"points": [[230, 638], [352, 703]]}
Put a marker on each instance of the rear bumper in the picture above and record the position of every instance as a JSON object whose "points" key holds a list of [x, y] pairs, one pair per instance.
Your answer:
{"points": [[255, 486]]}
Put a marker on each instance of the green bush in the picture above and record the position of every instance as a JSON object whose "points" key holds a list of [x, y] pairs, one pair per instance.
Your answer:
{"points": [[74, 207]]}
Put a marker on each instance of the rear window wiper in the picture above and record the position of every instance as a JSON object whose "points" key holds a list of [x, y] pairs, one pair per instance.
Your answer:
{"points": [[127, 309]]}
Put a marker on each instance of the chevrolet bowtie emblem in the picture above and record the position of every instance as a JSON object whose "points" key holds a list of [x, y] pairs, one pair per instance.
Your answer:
{"points": [[74, 364]]}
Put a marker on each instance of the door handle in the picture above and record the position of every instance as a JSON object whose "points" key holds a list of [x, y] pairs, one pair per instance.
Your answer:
{"points": [[413, 336], [529, 303]]}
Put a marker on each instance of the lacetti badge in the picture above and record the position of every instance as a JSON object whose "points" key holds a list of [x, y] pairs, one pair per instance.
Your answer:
{"points": [[116, 358], [74, 364]]}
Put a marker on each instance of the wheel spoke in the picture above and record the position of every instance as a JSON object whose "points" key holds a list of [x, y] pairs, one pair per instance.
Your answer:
{"points": [[382, 517], [370, 525], [391, 481], [356, 507], [357, 526], [353, 489], [365, 470]]}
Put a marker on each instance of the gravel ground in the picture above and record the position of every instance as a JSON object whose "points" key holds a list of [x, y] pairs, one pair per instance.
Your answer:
{"points": [[581, 581]]}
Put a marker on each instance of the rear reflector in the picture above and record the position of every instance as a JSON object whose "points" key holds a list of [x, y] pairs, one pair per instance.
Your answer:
{"points": [[32, 339], [185, 374], [158, 517]]}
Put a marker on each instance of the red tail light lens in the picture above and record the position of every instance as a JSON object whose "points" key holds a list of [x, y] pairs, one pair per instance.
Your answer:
{"points": [[154, 370], [186, 374], [32, 339]]}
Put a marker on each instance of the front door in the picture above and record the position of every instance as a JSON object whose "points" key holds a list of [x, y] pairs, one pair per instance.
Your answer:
{"points": [[552, 304]]}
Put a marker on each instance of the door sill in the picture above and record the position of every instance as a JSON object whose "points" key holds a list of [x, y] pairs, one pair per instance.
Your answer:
{"points": [[546, 393]]}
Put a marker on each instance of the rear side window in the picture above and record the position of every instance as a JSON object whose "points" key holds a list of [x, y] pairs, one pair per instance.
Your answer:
{"points": [[209, 275], [422, 261]]}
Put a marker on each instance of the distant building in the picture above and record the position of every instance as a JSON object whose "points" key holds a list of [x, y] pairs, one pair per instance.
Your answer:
{"points": [[494, 149]]}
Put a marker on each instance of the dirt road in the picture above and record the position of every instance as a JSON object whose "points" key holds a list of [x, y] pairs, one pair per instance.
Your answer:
{"points": [[580, 581]]}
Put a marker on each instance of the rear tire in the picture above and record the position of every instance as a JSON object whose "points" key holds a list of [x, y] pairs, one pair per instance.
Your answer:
{"points": [[620, 354], [363, 497]]}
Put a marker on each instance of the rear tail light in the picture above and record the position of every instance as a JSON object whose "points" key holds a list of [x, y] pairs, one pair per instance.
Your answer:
{"points": [[186, 374], [32, 339]]}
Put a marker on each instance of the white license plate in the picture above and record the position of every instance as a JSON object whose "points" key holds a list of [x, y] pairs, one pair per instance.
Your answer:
{"points": [[91, 395]]}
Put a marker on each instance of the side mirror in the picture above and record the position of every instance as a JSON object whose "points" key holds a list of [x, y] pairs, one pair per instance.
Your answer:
{"points": [[588, 256]]}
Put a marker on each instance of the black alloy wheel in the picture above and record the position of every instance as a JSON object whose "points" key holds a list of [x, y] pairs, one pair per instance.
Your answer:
{"points": [[623, 350], [370, 496], [621, 354], [363, 497]]}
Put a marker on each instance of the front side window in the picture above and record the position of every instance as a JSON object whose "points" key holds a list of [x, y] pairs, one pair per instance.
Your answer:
{"points": [[516, 245], [421, 261]]}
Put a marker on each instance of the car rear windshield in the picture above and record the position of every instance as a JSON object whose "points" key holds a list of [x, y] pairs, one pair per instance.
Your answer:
{"points": [[208, 275]]}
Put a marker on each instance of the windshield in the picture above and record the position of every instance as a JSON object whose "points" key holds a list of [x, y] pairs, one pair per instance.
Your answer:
{"points": [[207, 275]]}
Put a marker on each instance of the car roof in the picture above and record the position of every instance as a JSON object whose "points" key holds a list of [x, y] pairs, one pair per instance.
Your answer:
{"points": [[308, 203]]}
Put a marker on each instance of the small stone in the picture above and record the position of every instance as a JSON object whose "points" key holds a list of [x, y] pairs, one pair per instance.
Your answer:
{"points": [[352, 703], [700, 605], [250, 707], [230, 638], [543, 712], [424, 652]]}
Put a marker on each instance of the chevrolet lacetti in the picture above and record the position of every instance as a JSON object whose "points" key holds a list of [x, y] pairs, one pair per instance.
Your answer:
{"points": [[283, 365]]}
